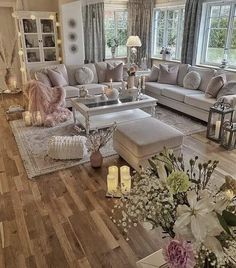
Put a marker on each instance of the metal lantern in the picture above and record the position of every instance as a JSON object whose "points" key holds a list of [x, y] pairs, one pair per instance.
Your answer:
{"points": [[228, 140], [218, 115]]}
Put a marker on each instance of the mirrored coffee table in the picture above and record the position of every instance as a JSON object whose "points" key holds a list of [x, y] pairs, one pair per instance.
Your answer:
{"points": [[95, 113]]}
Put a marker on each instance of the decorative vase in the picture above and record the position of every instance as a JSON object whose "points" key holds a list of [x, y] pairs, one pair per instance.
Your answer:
{"points": [[131, 81], [10, 78], [83, 92], [96, 159], [113, 52]]}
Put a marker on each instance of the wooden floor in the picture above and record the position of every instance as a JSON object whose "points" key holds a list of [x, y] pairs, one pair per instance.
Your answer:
{"points": [[63, 219]]}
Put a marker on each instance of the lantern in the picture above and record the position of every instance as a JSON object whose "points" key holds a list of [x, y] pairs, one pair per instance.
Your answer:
{"points": [[218, 115], [228, 140]]}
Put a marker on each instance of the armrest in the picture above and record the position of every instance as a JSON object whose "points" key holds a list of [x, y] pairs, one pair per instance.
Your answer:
{"points": [[231, 99]]}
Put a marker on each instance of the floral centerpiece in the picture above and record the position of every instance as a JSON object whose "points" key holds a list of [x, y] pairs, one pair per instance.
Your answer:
{"points": [[113, 43], [131, 76], [166, 53], [198, 221]]}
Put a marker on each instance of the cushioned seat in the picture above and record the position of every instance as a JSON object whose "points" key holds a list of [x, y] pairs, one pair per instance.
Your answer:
{"points": [[71, 92], [92, 88], [200, 101], [136, 145], [154, 87]]}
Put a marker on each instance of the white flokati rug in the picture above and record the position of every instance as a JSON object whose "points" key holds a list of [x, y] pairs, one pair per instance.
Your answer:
{"points": [[33, 141]]}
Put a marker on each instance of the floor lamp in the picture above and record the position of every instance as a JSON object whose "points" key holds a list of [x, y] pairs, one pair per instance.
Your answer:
{"points": [[133, 42]]}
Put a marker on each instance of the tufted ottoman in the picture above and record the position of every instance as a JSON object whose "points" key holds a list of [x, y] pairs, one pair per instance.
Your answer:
{"points": [[139, 140]]}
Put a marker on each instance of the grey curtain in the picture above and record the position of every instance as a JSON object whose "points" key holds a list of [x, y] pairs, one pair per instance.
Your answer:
{"points": [[193, 11], [94, 35], [140, 23]]}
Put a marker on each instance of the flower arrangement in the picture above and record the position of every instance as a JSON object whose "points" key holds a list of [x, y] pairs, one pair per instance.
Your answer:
{"points": [[166, 51], [112, 42], [200, 222], [132, 70]]}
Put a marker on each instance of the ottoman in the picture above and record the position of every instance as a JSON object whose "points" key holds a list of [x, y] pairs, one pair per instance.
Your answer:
{"points": [[139, 140]]}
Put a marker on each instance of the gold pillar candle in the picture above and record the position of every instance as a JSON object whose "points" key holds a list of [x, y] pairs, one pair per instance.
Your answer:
{"points": [[125, 184], [111, 184], [27, 118], [113, 170], [39, 121], [124, 170]]}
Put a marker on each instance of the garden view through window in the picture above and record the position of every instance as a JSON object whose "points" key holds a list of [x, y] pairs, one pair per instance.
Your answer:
{"points": [[168, 31], [116, 32], [219, 41]]}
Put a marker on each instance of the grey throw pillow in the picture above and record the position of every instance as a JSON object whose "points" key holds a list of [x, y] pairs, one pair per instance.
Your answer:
{"points": [[228, 89], [168, 74], [84, 76], [192, 80], [153, 77], [56, 77], [114, 73], [215, 85], [43, 78]]}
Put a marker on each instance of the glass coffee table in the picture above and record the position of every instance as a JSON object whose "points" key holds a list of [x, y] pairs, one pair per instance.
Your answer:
{"points": [[96, 113]]}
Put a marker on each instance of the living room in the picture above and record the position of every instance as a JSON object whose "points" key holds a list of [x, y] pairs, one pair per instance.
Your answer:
{"points": [[118, 133]]}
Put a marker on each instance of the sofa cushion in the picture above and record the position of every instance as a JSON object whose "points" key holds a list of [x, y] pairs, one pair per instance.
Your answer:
{"points": [[177, 93], [214, 86], [230, 76], [135, 137], [114, 72], [71, 92], [200, 101], [183, 70], [228, 89], [101, 68], [192, 80], [153, 76], [56, 77], [93, 89], [71, 69], [154, 87], [168, 74], [84, 75], [206, 75], [43, 78]]}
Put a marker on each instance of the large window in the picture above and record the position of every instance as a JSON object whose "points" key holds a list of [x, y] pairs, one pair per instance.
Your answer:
{"points": [[116, 29], [168, 31], [219, 37]]}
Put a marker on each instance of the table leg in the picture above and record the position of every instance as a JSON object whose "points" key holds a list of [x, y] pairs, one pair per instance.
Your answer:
{"points": [[74, 115], [153, 111], [87, 126]]}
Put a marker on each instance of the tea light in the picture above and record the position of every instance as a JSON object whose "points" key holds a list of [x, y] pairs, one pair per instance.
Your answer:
{"points": [[125, 184], [111, 184], [27, 118], [124, 170]]}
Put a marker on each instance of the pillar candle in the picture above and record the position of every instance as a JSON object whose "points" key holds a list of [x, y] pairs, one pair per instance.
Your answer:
{"points": [[111, 83], [38, 119], [27, 118], [217, 129], [124, 170], [113, 170], [111, 184], [125, 184]]}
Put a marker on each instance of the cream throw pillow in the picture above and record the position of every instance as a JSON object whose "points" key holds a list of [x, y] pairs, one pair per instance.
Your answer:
{"points": [[153, 77], [57, 79], [84, 76], [114, 72], [215, 85], [192, 80], [43, 78], [168, 74]]}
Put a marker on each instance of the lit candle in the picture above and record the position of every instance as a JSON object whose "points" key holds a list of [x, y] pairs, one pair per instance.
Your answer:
{"points": [[27, 118], [113, 170], [126, 184], [140, 82], [217, 129], [111, 83], [143, 84], [124, 170], [14, 84], [229, 194], [38, 119], [111, 184]]}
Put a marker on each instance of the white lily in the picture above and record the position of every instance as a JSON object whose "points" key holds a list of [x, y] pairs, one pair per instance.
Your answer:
{"points": [[198, 220]]}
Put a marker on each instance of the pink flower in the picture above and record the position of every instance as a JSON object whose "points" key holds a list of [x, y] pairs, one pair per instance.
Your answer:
{"points": [[179, 254]]}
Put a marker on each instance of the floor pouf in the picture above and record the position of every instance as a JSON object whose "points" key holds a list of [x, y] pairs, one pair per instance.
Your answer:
{"points": [[139, 140], [67, 148]]}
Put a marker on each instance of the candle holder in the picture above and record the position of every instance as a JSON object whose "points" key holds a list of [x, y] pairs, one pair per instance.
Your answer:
{"points": [[218, 115], [228, 140]]}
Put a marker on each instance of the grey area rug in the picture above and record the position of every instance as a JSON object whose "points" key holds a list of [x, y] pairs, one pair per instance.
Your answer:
{"points": [[33, 141]]}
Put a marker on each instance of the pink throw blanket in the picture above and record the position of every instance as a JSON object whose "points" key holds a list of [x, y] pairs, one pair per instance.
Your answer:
{"points": [[49, 102]]}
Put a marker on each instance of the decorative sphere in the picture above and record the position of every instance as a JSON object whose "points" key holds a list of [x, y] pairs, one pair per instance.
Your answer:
{"points": [[112, 93]]}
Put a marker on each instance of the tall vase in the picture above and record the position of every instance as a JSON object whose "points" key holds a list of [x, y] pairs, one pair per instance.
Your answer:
{"points": [[9, 78], [113, 52], [131, 81], [96, 159]]}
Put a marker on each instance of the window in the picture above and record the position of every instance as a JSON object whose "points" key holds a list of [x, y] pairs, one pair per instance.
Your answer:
{"points": [[219, 37], [168, 31], [116, 28]]}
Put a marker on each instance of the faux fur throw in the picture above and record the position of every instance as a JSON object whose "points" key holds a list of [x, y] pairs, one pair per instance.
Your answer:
{"points": [[49, 101]]}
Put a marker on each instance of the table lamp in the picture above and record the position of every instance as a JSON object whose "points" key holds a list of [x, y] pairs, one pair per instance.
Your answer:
{"points": [[133, 42]]}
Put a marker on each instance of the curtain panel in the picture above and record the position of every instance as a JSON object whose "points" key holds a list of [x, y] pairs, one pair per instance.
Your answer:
{"points": [[94, 35], [140, 13], [193, 11]]}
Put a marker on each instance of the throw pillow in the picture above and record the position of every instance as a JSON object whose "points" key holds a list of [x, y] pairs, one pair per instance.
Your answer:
{"points": [[43, 78], [153, 77], [215, 85], [192, 80], [168, 74], [228, 89], [56, 77], [101, 68], [114, 73], [84, 76]]}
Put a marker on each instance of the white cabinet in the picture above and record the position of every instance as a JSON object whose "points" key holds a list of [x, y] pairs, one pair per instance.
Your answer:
{"points": [[38, 37]]}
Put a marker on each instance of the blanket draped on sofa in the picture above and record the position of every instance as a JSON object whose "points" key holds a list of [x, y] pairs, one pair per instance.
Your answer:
{"points": [[48, 101]]}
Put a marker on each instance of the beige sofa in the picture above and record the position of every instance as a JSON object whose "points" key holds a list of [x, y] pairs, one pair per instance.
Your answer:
{"points": [[72, 87], [191, 102]]}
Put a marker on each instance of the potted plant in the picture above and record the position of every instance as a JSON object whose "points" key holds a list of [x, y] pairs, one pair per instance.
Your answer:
{"points": [[166, 53], [113, 43]]}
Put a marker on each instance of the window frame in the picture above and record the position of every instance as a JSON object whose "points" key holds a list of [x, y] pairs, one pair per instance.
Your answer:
{"points": [[115, 11], [165, 36], [206, 33]]}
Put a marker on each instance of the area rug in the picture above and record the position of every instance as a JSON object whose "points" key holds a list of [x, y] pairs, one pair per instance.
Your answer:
{"points": [[33, 141]]}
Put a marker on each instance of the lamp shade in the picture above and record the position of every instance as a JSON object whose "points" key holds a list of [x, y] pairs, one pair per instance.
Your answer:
{"points": [[133, 41]]}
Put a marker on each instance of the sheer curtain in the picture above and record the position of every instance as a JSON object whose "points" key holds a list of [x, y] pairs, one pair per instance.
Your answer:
{"points": [[94, 35], [193, 11], [140, 23]]}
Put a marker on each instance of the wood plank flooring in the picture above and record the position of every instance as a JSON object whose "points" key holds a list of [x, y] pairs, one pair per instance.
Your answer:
{"points": [[63, 219]]}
